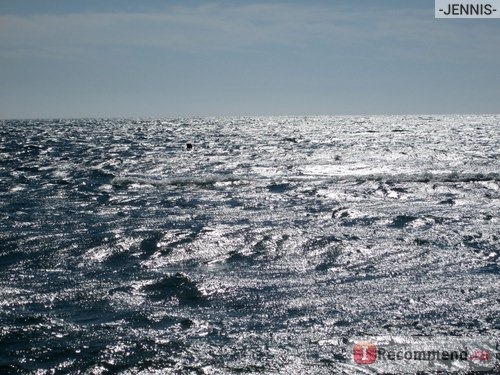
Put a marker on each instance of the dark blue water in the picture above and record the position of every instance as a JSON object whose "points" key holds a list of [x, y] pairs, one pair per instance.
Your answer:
{"points": [[258, 251]]}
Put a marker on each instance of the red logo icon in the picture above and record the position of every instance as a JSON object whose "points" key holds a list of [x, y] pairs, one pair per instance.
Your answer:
{"points": [[365, 353], [480, 355]]}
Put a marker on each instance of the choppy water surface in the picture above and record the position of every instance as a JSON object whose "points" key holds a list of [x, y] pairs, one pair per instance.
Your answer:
{"points": [[121, 251]]}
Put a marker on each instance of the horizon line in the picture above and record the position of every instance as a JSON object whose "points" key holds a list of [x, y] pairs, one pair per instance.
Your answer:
{"points": [[159, 117]]}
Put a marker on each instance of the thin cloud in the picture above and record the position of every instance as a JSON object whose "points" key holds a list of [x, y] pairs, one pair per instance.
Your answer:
{"points": [[210, 27]]}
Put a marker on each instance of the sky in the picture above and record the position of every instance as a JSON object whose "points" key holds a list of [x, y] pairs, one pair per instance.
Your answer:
{"points": [[125, 58]]}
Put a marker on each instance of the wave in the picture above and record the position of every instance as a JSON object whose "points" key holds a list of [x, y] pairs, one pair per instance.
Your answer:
{"points": [[424, 177], [427, 177], [182, 181], [178, 286]]}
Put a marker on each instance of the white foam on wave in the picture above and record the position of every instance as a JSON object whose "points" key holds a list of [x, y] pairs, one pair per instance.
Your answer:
{"points": [[201, 181], [385, 174]]}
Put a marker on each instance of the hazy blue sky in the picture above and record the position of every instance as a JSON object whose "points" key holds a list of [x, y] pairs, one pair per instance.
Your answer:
{"points": [[129, 58]]}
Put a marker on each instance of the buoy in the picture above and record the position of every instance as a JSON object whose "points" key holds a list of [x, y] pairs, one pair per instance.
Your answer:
{"points": [[189, 146]]}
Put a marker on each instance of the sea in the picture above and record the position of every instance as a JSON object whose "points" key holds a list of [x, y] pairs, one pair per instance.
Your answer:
{"points": [[263, 248]]}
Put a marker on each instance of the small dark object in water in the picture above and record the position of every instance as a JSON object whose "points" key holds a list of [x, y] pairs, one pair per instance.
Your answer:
{"points": [[448, 201], [189, 146]]}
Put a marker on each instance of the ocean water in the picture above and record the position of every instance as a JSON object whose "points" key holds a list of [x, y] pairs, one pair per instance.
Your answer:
{"points": [[258, 251]]}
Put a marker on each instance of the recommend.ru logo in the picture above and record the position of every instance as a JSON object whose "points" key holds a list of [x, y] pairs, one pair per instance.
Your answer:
{"points": [[401, 355]]}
